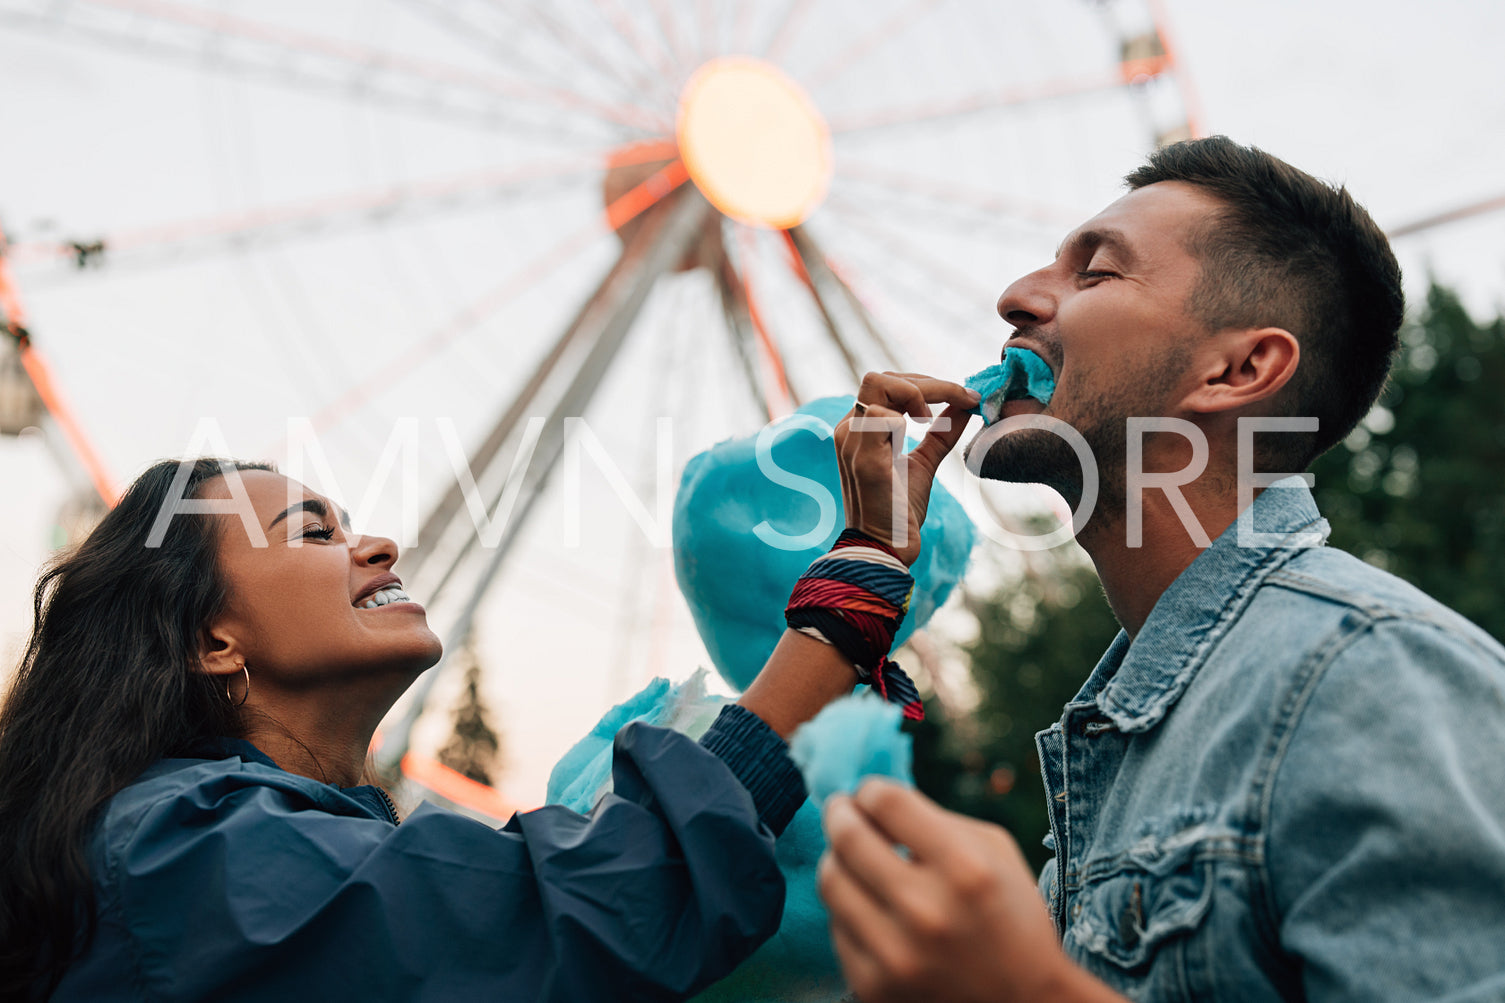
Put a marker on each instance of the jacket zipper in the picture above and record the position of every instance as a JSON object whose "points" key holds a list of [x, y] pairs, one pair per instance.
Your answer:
{"points": [[391, 806]]}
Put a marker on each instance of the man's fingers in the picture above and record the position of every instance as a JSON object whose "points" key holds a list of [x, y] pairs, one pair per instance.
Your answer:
{"points": [[905, 816], [861, 854], [863, 921], [863, 972]]}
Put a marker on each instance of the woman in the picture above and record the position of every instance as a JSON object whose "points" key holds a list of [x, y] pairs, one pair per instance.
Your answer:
{"points": [[181, 753]]}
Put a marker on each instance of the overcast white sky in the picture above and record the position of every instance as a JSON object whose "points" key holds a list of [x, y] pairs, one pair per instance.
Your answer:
{"points": [[1405, 106]]}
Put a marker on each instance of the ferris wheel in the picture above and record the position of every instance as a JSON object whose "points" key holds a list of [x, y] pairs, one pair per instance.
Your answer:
{"points": [[320, 224]]}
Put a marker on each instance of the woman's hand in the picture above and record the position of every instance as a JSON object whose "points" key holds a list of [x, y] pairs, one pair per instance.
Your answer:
{"points": [[886, 491]]}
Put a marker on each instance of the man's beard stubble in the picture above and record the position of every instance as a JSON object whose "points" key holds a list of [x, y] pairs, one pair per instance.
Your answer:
{"points": [[1038, 456]]}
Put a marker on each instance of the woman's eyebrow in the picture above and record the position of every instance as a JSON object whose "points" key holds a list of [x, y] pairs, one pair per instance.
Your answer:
{"points": [[313, 505]]}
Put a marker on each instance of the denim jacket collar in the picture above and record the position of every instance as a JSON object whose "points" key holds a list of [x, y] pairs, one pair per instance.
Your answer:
{"points": [[1136, 682]]}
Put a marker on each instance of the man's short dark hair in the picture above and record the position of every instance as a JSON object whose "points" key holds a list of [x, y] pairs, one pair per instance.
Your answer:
{"points": [[1288, 250]]}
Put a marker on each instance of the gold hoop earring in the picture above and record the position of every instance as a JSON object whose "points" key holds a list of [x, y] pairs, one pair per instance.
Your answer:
{"points": [[247, 693]]}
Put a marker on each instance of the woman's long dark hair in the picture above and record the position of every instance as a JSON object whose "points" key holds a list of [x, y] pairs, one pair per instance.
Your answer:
{"points": [[109, 683]]}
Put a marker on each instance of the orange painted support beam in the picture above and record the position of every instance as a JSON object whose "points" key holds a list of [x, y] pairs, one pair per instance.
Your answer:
{"points": [[40, 374], [457, 787]]}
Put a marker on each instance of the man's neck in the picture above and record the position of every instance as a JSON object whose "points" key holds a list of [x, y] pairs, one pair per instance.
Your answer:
{"points": [[1134, 578]]}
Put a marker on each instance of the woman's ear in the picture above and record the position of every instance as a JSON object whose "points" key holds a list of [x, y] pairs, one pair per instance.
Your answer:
{"points": [[1244, 367], [220, 653]]}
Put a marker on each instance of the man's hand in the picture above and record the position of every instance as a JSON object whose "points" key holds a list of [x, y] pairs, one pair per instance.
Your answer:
{"points": [[959, 921], [874, 488]]}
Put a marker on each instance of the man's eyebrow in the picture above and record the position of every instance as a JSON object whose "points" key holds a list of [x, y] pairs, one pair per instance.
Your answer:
{"points": [[307, 505], [1088, 241]]}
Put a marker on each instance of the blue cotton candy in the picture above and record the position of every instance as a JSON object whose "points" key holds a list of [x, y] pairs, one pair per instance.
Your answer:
{"points": [[797, 962], [1021, 374], [854, 737], [737, 583], [580, 776]]}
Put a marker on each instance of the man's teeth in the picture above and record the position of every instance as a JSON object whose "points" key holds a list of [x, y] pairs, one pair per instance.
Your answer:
{"points": [[390, 594]]}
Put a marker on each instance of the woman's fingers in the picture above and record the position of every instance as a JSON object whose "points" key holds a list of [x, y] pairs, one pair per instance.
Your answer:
{"points": [[888, 390], [946, 431], [911, 393], [879, 487], [866, 457], [938, 391]]}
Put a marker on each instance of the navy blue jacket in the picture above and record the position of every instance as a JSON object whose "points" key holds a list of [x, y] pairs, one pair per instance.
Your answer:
{"points": [[227, 878]]}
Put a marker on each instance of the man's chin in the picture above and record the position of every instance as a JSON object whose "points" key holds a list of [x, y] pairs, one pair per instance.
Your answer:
{"points": [[1024, 456]]}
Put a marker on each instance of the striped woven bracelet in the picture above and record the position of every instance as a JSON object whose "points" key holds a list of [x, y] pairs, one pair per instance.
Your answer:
{"points": [[855, 598]]}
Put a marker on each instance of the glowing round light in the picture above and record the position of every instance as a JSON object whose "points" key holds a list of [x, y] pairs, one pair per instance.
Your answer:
{"points": [[753, 142]]}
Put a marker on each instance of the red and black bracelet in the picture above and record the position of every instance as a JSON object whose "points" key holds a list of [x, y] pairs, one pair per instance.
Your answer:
{"points": [[855, 598]]}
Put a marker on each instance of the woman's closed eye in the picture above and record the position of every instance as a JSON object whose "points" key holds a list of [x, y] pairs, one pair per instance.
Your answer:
{"points": [[318, 532]]}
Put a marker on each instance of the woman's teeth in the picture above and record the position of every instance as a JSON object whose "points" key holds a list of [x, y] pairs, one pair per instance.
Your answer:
{"points": [[390, 594]]}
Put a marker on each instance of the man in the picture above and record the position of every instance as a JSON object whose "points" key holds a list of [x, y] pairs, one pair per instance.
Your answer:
{"points": [[1283, 780]]}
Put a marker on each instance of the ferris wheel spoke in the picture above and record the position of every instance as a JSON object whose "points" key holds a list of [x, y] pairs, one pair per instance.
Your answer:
{"points": [[433, 103], [823, 307], [475, 23], [653, 53], [668, 28], [742, 29], [774, 359], [709, 28], [626, 207], [1480, 208], [954, 217], [823, 272], [238, 231], [795, 12], [589, 56], [895, 245], [297, 54], [962, 196], [734, 307], [844, 60], [1127, 74], [916, 296]]}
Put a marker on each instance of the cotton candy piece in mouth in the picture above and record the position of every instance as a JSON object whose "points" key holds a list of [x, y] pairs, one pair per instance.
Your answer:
{"points": [[1021, 374], [854, 737]]}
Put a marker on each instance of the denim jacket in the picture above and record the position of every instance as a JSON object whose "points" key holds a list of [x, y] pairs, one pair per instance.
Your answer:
{"points": [[1289, 786]]}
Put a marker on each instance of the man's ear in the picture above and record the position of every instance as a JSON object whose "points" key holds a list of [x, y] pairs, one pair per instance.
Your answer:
{"points": [[1244, 367]]}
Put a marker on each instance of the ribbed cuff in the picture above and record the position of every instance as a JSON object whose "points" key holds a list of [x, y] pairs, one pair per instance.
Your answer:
{"points": [[758, 758]]}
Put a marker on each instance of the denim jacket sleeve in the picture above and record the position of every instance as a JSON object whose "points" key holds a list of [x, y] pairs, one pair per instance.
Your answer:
{"points": [[1387, 830], [242, 889]]}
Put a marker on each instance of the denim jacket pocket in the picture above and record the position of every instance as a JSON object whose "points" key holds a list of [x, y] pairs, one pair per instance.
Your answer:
{"points": [[1126, 917]]}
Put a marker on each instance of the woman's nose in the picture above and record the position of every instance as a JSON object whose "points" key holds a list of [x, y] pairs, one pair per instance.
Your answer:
{"points": [[377, 550], [1028, 300]]}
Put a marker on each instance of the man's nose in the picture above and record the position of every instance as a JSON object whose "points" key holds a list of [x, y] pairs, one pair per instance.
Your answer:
{"points": [[1028, 301]]}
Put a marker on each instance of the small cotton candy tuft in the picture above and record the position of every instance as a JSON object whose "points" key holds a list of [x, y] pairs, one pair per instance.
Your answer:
{"points": [[1021, 374], [854, 737]]}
